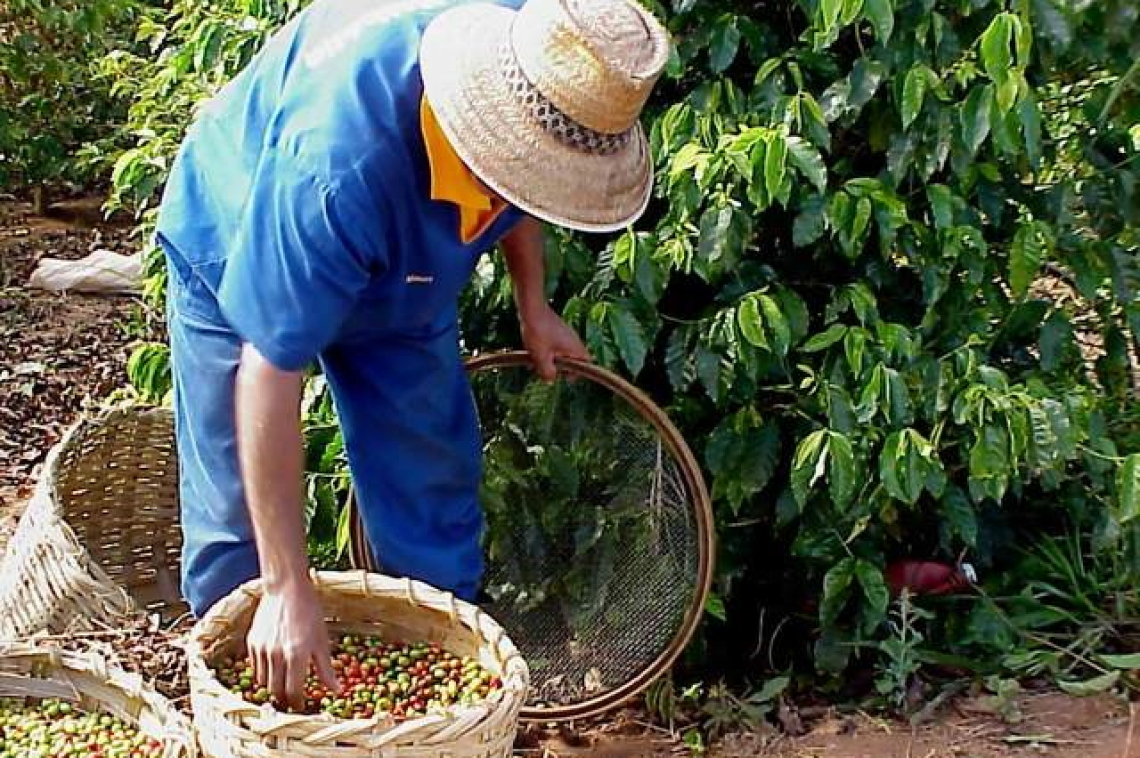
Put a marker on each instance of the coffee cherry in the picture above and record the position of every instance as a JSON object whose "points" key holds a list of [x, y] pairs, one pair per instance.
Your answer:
{"points": [[378, 678], [57, 729]]}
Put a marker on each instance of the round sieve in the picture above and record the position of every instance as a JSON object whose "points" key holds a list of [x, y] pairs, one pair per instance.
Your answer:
{"points": [[599, 541]]}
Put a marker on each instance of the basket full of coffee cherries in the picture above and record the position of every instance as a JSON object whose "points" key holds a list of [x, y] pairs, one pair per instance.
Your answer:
{"points": [[421, 674], [56, 704]]}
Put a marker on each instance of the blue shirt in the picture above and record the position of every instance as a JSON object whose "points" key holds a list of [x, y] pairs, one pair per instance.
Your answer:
{"points": [[301, 196]]}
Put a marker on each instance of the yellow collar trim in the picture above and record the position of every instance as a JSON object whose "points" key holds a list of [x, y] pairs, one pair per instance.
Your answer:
{"points": [[453, 182]]}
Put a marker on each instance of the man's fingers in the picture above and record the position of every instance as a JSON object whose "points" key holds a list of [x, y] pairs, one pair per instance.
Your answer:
{"points": [[296, 672], [277, 673], [544, 365], [325, 671], [260, 669]]}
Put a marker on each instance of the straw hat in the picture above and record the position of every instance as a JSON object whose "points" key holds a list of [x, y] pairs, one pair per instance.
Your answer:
{"points": [[543, 103]]}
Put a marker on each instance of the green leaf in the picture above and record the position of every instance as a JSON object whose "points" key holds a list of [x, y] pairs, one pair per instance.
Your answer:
{"points": [[863, 211], [771, 690], [149, 371], [1025, 259], [708, 371], [810, 224], [777, 324], [995, 47], [809, 163], [851, 11], [825, 339], [841, 470], [960, 516], [814, 122], [914, 93], [691, 157], [757, 182], [890, 458], [941, 205], [343, 531], [809, 464], [975, 117], [650, 276], [989, 464], [629, 336], [829, 11], [775, 165], [714, 241], [1088, 687], [875, 591], [714, 606], [795, 311], [761, 456], [831, 652], [1127, 662], [1128, 489], [725, 44], [1030, 115], [679, 361], [854, 348], [882, 17], [1005, 96], [836, 590], [897, 397], [751, 323], [1056, 340]]}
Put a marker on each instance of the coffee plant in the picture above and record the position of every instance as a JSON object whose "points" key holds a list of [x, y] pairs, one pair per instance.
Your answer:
{"points": [[887, 287], [50, 104]]}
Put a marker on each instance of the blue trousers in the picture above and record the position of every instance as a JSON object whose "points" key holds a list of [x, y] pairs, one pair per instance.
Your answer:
{"points": [[411, 433]]}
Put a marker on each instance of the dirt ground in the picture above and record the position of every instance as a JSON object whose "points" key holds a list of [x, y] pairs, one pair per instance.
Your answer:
{"points": [[60, 354], [1037, 724]]}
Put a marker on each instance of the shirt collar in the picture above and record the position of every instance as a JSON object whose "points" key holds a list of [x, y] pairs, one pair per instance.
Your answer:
{"points": [[452, 181]]}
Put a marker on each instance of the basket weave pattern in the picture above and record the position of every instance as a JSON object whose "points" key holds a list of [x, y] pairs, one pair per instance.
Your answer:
{"points": [[85, 679], [100, 539], [360, 603]]}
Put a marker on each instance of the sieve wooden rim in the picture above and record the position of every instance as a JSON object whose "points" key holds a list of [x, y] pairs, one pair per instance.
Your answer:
{"points": [[361, 554]]}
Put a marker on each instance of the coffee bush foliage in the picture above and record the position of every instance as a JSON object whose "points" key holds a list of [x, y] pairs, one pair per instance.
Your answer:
{"points": [[51, 104], [887, 286]]}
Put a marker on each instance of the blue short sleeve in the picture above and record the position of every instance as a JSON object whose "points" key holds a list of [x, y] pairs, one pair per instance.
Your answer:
{"points": [[302, 254]]}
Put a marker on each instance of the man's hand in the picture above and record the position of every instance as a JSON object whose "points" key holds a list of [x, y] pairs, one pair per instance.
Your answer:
{"points": [[287, 636], [546, 337], [287, 640]]}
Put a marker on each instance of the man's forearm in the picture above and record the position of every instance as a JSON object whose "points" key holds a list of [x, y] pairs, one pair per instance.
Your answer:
{"points": [[271, 454], [523, 251]]}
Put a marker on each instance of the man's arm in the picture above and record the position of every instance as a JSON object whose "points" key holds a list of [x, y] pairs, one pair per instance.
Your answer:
{"points": [[545, 335], [288, 633]]}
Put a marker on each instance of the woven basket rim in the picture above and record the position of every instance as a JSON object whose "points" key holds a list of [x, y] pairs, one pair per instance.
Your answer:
{"points": [[177, 736], [515, 672]]}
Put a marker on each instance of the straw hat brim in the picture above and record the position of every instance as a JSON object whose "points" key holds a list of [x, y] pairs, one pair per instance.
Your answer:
{"points": [[500, 142]]}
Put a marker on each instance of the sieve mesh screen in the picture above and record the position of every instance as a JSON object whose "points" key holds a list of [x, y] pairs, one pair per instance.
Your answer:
{"points": [[592, 543]]}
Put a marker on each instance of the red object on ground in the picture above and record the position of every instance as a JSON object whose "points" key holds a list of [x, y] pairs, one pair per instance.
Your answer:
{"points": [[926, 577]]}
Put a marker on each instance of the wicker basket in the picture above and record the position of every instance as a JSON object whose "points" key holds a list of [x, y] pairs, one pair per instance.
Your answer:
{"points": [[357, 602], [28, 671], [100, 539]]}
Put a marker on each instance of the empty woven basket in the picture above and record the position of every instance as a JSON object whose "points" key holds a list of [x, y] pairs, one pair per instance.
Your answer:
{"points": [[100, 539]]}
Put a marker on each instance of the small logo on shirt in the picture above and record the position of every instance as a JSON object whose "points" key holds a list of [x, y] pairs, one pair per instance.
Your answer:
{"points": [[419, 279]]}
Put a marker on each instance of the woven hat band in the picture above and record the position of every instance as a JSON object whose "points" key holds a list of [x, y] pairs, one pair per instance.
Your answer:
{"points": [[596, 60], [550, 118]]}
